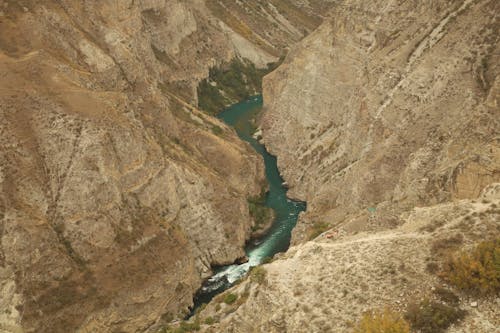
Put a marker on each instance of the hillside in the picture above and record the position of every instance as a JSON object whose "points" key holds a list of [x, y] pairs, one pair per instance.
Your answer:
{"points": [[326, 285], [117, 195]]}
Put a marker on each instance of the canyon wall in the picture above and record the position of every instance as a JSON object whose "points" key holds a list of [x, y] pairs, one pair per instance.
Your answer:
{"points": [[116, 194], [387, 106]]}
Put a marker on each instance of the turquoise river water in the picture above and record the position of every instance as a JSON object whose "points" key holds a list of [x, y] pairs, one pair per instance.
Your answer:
{"points": [[277, 239]]}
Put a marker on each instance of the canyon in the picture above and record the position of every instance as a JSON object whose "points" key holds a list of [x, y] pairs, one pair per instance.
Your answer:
{"points": [[118, 195], [385, 120]]}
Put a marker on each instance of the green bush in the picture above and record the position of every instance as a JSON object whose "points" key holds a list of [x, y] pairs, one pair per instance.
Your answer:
{"points": [[230, 298], [258, 211], [210, 98], [231, 82], [476, 271], [258, 274], [209, 321], [432, 317], [217, 130], [385, 321], [189, 327], [184, 327], [317, 229]]}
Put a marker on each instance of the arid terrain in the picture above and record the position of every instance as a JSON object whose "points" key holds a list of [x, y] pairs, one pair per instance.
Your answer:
{"points": [[118, 195], [386, 121], [326, 284]]}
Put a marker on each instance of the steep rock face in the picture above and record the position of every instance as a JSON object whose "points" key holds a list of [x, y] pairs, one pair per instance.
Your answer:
{"points": [[116, 195], [387, 106]]}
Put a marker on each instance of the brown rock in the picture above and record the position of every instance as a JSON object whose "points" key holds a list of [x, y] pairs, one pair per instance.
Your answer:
{"points": [[116, 196], [385, 106]]}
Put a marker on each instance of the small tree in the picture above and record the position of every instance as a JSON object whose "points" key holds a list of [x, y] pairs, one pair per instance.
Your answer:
{"points": [[477, 271]]}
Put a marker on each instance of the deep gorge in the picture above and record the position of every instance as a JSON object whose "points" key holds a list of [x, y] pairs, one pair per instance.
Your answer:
{"points": [[242, 117], [122, 194]]}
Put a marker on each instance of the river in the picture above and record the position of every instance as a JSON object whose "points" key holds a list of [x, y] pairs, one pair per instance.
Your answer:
{"points": [[277, 239]]}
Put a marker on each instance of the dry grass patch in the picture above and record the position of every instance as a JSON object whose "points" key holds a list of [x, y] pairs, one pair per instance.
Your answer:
{"points": [[386, 321]]}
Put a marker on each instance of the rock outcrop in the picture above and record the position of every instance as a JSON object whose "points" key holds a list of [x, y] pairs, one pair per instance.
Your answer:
{"points": [[385, 107], [116, 195]]}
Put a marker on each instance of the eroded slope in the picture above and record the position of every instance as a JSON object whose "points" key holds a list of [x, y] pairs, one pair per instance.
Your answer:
{"points": [[387, 106], [325, 285], [117, 196]]}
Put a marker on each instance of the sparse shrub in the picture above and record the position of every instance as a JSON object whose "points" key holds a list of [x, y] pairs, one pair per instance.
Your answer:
{"points": [[202, 307], [209, 321], [317, 229], [242, 299], [230, 310], [445, 245], [298, 292], [446, 296], [230, 298], [189, 327], [258, 211], [267, 260], [433, 225], [167, 317], [258, 274], [476, 271], [184, 327], [306, 308], [217, 130], [219, 298], [385, 321], [432, 267], [432, 317]]}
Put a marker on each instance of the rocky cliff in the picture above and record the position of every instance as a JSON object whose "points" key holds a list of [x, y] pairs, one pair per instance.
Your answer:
{"points": [[116, 195], [387, 106]]}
